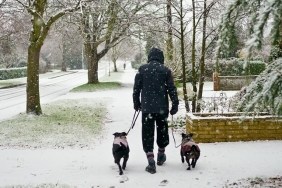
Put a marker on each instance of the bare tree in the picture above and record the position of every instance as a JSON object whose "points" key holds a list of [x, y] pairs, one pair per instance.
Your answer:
{"points": [[122, 51], [169, 41], [182, 38], [41, 22], [205, 14], [193, 57], [104, 25], [12, 35]]}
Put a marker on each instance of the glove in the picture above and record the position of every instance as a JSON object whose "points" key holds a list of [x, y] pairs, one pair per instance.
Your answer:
{"points": [[173, 110], [137, 107]]}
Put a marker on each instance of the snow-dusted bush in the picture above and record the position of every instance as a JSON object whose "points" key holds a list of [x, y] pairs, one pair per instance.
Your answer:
{"points": [[263, 15], [234, 67], [265, 93], [12, 73]]}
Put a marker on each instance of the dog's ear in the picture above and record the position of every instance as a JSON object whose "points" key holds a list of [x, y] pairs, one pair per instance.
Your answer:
{"points": [[123, 134], [116, 134], [183, 135]]}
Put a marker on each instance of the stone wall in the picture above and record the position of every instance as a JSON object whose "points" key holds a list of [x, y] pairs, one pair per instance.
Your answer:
{"points": [[229, 128], [227, 83]]}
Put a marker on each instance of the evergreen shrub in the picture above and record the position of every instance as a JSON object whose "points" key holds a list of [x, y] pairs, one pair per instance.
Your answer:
{"points": [[13, 73], [235, 67]]}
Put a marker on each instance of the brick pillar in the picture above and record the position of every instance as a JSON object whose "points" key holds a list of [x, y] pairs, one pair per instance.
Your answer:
{"points": [[216, 81]]}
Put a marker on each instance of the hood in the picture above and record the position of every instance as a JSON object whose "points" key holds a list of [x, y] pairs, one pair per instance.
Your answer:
{"points": [[156, 54]]}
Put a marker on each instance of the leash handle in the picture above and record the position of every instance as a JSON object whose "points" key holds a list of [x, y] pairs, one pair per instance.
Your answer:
{"points": [[133, 120]]}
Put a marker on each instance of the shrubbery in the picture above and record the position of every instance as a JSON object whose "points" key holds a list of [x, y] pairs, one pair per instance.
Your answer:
{"points": [[235, 67], [74, 62], [265, 93], [13, 73], [137, 62]]}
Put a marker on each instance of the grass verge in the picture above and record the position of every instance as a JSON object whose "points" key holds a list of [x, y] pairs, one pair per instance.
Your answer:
{"points": [[96, 87], [106, 82], [5, 84], [64, 124]]}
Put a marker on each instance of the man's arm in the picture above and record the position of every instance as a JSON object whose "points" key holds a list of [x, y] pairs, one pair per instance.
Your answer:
{"points": [[136, 91], [172, 92]]}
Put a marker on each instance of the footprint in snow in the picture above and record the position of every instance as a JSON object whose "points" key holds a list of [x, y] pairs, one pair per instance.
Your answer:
{"points": [[123, 179], [164, 183]]}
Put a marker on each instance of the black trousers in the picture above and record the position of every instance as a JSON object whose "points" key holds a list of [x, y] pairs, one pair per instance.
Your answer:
{"points": [[148, 131]]}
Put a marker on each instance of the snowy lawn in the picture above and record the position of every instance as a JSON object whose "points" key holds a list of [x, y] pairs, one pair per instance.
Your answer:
{"points": [[65, 123], [96, 87], [238, 164], [106, 82]]}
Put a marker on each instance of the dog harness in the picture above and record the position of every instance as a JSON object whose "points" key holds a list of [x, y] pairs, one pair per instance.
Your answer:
{"points": [[187, 146], [119, 140]]}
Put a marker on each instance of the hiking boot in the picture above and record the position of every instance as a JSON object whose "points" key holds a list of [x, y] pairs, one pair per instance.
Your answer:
{"points": [[161, 159], [151, 169]]}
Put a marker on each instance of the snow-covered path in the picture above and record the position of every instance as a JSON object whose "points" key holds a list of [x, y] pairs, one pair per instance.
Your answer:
{"points": [[218, 163]]}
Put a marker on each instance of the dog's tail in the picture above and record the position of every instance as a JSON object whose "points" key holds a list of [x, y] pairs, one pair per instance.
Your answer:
{"points": [[123, 145], [194, 148], [195, 151]]}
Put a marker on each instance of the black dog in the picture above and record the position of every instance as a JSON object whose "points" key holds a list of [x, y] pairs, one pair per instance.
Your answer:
{"points": [[190, 150], [120, 150]]}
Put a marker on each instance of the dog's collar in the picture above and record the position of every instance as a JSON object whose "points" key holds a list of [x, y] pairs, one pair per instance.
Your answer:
{"points": [[185, 141]]}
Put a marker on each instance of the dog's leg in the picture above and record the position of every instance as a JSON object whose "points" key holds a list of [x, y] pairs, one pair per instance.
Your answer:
{"points": [[188, 162], [125, 159], [196, 155], [193, 162], [120, 169], [182, 157]]}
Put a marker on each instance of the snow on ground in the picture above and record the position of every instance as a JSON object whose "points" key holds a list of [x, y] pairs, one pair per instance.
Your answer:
{"points": [[219, 165]]}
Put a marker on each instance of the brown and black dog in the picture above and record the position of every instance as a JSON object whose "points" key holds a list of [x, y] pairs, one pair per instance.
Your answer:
{"points": [[190, 150], [120, 150]]}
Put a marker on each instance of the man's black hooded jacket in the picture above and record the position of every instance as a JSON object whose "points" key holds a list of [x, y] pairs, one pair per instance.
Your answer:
{"points": [[154, 82]]}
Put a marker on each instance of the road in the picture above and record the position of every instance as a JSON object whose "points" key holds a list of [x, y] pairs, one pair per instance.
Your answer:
{"points": [[52, 85]]}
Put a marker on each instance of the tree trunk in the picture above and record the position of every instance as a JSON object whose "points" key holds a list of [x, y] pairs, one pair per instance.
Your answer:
{"points": [[194, 79], [32, 91], [202, 60], [115, 65], [92, 63], [169, 39], [93, 71], [64, 49], [183, 59]]}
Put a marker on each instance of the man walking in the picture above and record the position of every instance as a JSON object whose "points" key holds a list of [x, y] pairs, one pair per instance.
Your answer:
{"points": [[154, 82]]}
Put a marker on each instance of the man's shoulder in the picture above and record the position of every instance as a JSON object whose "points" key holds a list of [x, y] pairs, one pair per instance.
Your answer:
{"points": [[154, 65], [142, 67], [165, 68]]}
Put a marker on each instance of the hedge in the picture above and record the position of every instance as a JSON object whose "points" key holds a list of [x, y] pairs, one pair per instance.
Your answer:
{"points": [[234, 67], [13, 73]]}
